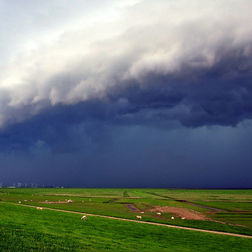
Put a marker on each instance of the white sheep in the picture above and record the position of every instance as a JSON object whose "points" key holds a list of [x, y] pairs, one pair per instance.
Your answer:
{"points": [[19, 202], [39, 208], [84, 217], [141, 212], [69, 201], [158, 213], [139, 217], [172, 218], [183, 218]]}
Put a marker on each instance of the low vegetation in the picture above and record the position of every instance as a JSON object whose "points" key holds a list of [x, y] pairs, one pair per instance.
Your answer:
{"points": [[24, 228]]}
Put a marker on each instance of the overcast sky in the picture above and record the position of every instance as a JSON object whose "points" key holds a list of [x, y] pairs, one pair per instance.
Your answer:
{"points": [[153, 93]]}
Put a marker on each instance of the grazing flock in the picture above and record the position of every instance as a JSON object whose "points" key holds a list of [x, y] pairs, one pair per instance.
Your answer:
{"points": [[84, 217]]}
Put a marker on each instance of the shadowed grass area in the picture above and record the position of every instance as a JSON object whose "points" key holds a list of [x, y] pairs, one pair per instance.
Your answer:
{"points": [[24, 229]]}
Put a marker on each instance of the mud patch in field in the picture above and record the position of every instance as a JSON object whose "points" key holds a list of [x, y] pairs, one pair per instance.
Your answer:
{"points": [[180, 212], [132, 207]]}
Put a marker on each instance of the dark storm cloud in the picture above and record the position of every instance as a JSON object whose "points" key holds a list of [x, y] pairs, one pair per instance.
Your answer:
{"points": [[93, 49], [220, 95], [136, 93], [194, 97]]}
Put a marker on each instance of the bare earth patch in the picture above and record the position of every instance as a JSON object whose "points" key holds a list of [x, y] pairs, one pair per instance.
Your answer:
{"points": [[181, 212]]}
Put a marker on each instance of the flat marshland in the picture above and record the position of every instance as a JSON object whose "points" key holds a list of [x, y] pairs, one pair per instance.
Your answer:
{"points": [[24, 228]]}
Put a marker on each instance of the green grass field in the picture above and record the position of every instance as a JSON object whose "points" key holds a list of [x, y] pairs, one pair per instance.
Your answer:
{"points": [[23, 228]]}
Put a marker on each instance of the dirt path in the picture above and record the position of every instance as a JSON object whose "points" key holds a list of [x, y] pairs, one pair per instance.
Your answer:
{"points": [[137, 221]]}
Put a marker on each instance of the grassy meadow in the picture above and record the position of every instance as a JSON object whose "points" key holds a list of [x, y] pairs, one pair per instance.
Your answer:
{"points": [[24, 229]]}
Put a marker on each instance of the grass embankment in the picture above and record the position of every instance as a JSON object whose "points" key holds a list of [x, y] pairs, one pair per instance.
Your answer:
{"points": [[26, 229]]}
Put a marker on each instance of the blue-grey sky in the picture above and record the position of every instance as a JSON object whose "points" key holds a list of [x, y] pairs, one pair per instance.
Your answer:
{"points": [[150, 93]]}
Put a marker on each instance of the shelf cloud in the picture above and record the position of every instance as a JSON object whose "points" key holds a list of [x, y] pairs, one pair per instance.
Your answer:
{"points": [[191, 60]]}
